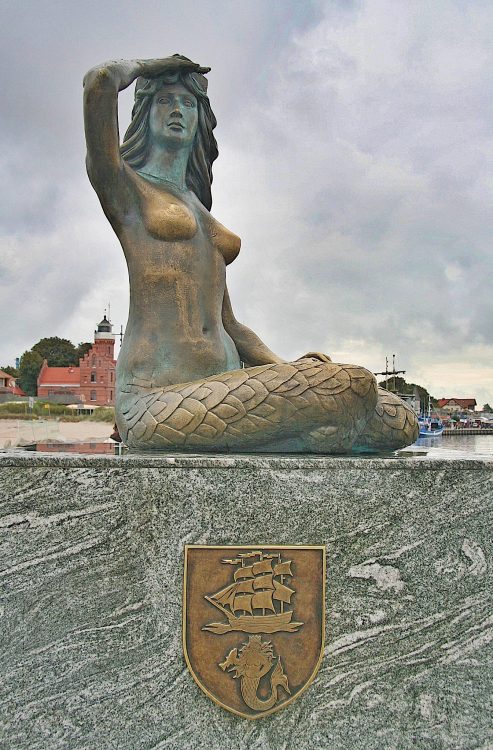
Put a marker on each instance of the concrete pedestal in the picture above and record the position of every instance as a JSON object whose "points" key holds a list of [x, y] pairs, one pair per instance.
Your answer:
{"points": [[92, 570]]}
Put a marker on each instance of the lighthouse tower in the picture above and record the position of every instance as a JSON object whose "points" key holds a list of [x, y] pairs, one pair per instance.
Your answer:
{"points": [[97, 368], [104, 331]]}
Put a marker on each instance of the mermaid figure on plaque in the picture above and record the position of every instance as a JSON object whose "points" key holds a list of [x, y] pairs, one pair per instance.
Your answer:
{"points": [[258, 600]]}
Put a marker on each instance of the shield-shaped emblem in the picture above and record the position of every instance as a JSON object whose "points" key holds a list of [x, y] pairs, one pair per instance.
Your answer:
{"points": [[253, 623]]}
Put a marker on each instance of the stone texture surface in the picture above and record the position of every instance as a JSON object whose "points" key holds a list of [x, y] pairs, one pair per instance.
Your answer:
{"points": [[91, 577]]}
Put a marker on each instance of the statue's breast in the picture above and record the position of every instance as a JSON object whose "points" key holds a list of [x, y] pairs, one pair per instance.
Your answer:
{"points": [[164, 214], [225, 241], [167, 218]]}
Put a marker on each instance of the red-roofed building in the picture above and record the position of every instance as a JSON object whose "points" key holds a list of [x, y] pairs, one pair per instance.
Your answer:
{"points": [[456, 405], [8, 386], [59, 381], [92, 382], [6, 380]]}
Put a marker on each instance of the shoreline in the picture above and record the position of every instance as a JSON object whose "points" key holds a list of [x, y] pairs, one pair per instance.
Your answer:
{"points": [[15, 432]]}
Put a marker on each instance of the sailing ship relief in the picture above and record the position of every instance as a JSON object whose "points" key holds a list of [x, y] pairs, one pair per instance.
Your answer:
{"points": [[275, 595], [257, 600]]}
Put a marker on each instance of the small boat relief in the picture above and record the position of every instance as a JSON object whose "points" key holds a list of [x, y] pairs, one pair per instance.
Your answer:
{"points": [[258, 600]]}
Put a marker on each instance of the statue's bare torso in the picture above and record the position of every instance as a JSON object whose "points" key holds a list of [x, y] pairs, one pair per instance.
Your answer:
{"points": [[177, 255]]}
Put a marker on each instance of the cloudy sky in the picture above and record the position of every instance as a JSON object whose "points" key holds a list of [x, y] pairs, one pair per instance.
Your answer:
{"points": [[355, 162]]}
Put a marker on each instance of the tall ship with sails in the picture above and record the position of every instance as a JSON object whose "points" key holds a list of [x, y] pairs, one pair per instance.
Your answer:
{"points": [[258, 600]]}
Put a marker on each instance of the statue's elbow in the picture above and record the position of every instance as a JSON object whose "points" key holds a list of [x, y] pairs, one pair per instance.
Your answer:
{"points": [[98, 77]]}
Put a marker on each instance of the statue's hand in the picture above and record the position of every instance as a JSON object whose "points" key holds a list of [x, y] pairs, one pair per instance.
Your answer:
{"points": [[123, 72], [161, 66], [316, 355]]}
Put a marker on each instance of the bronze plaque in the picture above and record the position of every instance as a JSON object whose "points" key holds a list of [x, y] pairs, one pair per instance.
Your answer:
{"points": [[253, 623]]}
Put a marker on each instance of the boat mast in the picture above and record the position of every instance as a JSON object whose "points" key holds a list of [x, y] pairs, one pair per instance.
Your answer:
{"points": [[282, 581], [261, 556], [242, 565]]}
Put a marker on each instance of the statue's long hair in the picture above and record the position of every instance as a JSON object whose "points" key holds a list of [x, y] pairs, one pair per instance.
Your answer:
{"points": [[136, 142]]}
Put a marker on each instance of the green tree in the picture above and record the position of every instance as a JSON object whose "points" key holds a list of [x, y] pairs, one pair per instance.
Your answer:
{"points": [[10, 371], [399, 385], [82, 349], [29, 368], [487, 408], [59, 352], [396, 384]]}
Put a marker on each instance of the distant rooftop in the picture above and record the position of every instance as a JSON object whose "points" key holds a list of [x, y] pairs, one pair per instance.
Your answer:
{"points": [[466, 403], [59, 375]]}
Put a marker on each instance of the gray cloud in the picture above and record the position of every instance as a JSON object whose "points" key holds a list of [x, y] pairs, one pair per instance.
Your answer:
{"points": [[355, 151], [380, 133]]}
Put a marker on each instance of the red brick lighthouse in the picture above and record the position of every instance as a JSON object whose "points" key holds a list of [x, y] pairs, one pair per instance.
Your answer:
{"points": [[93, 382], [97, 368]]}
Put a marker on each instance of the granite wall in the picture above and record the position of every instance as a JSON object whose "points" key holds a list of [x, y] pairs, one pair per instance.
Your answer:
{"points": [[91, 577]]}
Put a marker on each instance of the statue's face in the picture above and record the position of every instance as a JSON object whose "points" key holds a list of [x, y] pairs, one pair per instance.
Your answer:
{"points": [[174, 116]]}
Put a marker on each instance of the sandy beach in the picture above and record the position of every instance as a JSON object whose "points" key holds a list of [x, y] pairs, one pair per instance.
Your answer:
{"points": [[19, 432]]}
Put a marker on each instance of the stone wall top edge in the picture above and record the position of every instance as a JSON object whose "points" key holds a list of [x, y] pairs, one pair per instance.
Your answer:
{"points": [[238, 461]]}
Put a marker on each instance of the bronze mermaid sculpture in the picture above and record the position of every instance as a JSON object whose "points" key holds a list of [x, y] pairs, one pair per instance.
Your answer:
{"points": [[190, 377]]}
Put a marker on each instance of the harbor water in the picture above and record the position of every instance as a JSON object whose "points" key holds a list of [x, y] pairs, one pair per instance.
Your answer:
{"points": [[451, 447], [47, 436]]}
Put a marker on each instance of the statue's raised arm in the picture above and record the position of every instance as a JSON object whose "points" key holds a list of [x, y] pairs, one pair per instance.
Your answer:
{"points": [[180, 380], [102, 84]]}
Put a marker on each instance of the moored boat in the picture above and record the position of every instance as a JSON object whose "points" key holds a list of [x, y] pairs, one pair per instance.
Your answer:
{"points": [[430, 426]]}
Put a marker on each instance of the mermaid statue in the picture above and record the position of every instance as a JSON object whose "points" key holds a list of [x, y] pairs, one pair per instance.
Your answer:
{"points": [[190, 376]]}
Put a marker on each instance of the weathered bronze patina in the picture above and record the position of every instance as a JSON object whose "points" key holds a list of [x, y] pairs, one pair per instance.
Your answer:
{"points": [[180, 380], [253, 623]]}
